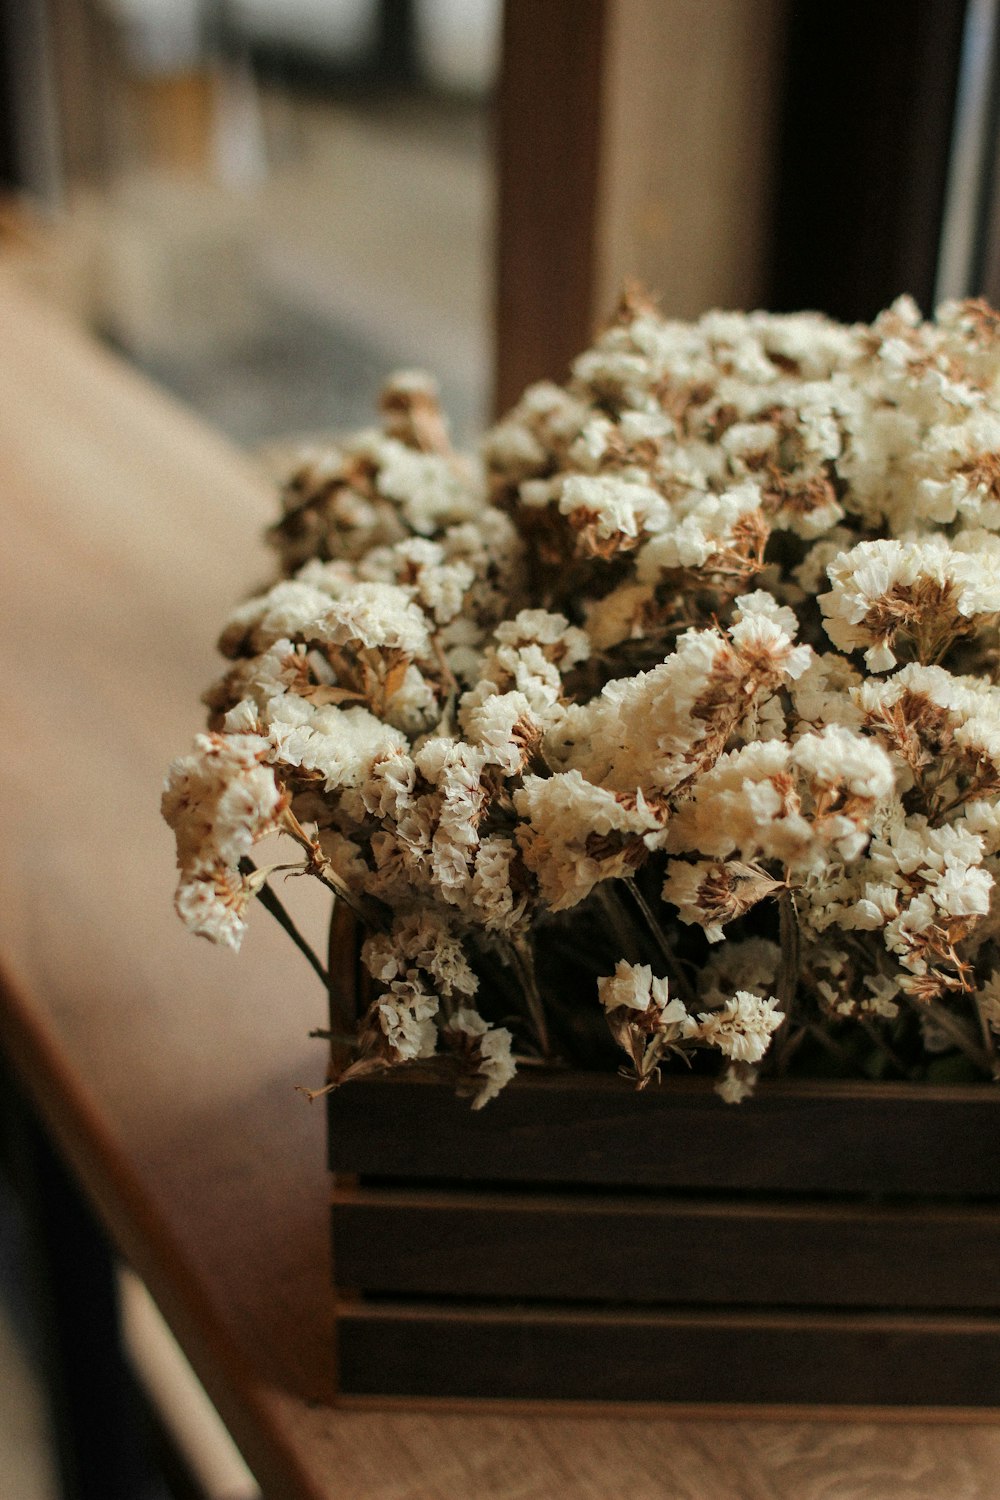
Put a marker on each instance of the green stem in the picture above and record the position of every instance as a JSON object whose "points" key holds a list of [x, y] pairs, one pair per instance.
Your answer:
{"points": [[873, 1033]]}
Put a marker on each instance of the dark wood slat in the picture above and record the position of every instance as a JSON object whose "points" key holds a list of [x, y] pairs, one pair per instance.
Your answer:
{"points": [[684, 1358], [800, 1137], [621, 1249]]}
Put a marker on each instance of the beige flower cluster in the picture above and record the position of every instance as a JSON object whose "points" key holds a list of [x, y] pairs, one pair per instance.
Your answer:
{"points": [[669, 726]]}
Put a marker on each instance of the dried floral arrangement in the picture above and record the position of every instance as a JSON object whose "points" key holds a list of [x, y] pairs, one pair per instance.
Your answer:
{"points": [[667, 727]]}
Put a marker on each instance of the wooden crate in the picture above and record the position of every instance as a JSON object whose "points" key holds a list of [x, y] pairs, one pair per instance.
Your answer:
{"points": [[575, 1241]]}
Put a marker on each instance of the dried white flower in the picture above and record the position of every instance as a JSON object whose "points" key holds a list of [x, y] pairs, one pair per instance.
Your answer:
{"points": [[633, 987], [489, 1061], [837, 759], [915, 597], [420, 941], [988, 1002], [736, 1083], [405, 1014], [219, 800], [742, 1028]]}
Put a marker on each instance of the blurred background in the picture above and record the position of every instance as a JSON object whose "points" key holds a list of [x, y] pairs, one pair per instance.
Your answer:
{"points": [[268, 205]]}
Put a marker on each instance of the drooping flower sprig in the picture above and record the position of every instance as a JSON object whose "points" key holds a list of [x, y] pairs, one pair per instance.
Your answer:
{"points": [[668, 728]]}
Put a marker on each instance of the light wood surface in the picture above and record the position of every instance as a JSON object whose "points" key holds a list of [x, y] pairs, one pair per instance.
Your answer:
{"points": [[167, 1069], [690, 103]]}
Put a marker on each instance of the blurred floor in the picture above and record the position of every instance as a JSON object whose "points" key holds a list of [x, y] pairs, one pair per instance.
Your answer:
{"points": [[368, 249], [358, 241]]}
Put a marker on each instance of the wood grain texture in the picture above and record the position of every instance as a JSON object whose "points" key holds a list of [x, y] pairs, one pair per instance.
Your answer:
{"points": [[636, 1249], [539, 1295], [688, 1356], [794, 1135], [636, 140], [166, 1070]]}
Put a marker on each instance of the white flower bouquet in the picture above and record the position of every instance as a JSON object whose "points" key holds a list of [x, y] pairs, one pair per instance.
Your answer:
{"points": [[669, 727]]}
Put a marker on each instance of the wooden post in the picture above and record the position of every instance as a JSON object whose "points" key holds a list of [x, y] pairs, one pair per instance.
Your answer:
{"points": [[688, 145], [636, 139], [547, 155]]}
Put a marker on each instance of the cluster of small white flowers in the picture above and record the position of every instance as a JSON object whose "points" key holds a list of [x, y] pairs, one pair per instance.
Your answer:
{"points": [[485, 1055], [646, 1022], [697, 663], [915, 597], [801, 806], [643, 1018], [219, 801], [420, 945], [743, 1027]]}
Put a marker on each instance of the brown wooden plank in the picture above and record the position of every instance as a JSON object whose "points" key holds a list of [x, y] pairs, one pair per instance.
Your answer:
{"points": [[548, 138], [887, 1360], [636, 140], [801, 1137], [618, 1248]]}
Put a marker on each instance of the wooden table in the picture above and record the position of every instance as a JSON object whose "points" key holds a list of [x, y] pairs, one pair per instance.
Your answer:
{"points": [[165, 1069]]}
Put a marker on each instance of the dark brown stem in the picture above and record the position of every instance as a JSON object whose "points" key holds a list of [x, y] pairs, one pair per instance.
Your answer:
{"points": [[524, 966], [318, 865], [675, 973], [788, 938], [620, 923], [787, 981], [271, 902]]}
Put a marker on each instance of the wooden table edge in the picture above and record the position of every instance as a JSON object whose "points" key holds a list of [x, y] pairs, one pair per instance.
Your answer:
{"points": [[86, 1142], [715, 1411]]}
